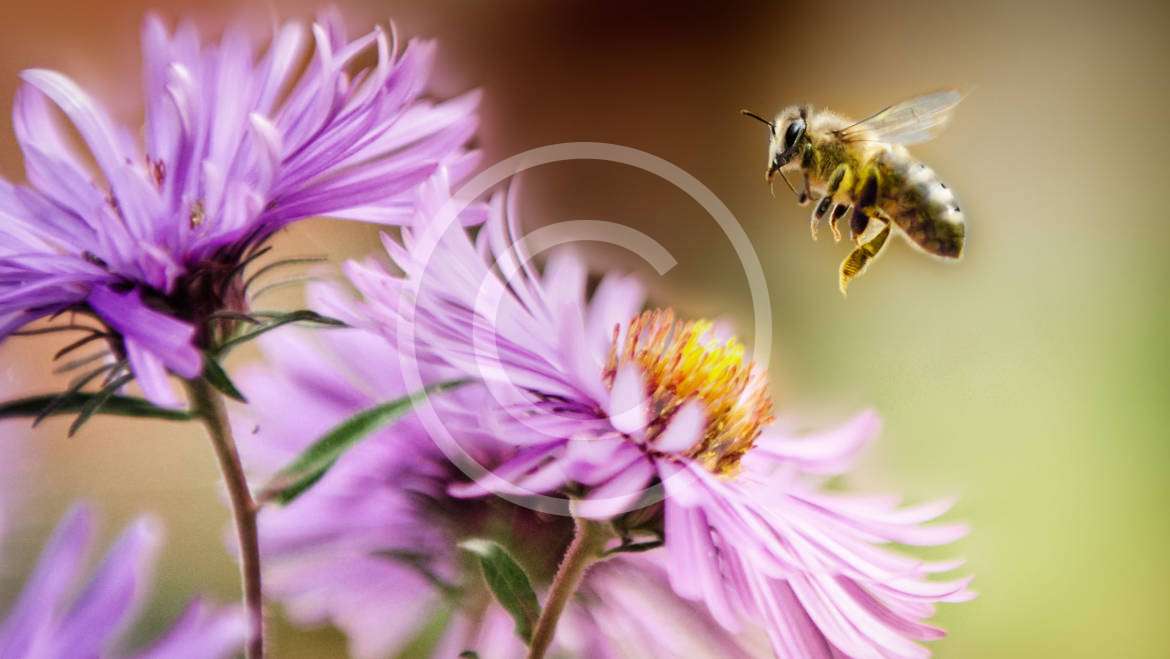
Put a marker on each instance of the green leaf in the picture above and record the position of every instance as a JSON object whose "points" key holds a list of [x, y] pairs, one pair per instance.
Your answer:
{"points": [[95, 403], [312, 464], [75, 387], [278, 320], [75, 364], [79, 343], [218, 378], [284, 263], [68, 404], [508, 582], [288, 494]]}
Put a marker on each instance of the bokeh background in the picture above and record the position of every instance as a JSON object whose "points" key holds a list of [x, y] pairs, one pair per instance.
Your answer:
{"points": [[1030, 380]]}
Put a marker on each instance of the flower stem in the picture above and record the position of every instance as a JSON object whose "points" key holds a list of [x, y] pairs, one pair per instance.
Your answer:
{"points": [[208, 405], [586, 549]]}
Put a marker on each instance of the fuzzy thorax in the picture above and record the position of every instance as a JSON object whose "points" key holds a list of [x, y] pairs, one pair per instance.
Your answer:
{"points": [[684, 361]]}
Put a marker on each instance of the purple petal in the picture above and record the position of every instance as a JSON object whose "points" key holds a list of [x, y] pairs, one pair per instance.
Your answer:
{"points": [[114, 594], [93, 124], [51, 582], [202, 633], [503, 477], [695, 559], [828, 454], [615, 302], [619, 495], [151, 375], [684, 430], [628, 411], [167, 338]]}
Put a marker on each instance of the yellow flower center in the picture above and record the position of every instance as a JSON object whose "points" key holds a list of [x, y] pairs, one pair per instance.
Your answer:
{"points": [[684, 361]]}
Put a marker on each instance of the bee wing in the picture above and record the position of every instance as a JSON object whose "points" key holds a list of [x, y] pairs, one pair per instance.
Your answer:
{"points": [[909, 122]]}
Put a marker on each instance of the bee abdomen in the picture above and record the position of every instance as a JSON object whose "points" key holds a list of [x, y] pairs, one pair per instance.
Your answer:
{"points": [[928, 212]]}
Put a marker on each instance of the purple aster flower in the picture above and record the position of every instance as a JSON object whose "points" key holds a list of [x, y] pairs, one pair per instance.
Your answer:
{"points": [[619, 407], [238, 143], [58, 616], [372, 548], [625, 610]]}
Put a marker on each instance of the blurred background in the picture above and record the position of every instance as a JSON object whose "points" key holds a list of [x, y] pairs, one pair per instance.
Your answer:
{"points": [[1030, 380]]}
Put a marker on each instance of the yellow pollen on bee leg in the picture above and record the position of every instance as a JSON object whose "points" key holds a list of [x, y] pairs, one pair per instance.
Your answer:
{"points": [[684, 361]]}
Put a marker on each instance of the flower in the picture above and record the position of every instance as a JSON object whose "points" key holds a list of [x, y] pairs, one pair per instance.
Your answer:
{"points": [[373, 546], [661, 425], [625, 609], [55, 616], [153, 240], [59, 615]]}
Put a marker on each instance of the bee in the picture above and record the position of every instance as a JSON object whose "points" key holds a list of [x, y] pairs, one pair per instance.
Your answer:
{"points": [[862, 169]]}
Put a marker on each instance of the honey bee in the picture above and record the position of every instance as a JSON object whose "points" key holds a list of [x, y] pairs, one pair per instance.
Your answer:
{"points": [[863, 167]]}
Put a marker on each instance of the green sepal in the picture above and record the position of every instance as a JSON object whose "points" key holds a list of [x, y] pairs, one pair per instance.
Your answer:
{"points": [[75, 387], [310, 466], [99, 399], [508, 582], [218, 378], [278, 320], [633, 547]]}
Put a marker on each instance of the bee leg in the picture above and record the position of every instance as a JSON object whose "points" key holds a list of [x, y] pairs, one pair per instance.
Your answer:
{"points": [[867, 196], [806, 163], [857, 225], [859, 258], [839, 211], [842, 177], [819, 213]]}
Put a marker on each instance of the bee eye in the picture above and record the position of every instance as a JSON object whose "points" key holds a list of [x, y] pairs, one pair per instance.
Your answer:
{"points": [[795, 130]]}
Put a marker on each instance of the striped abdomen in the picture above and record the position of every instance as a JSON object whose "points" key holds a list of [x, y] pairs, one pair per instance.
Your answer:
{"points": [[922, 206]]}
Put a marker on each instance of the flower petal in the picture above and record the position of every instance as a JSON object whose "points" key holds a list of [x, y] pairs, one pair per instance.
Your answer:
{"points": [[684, 430], [151, 375], [167, 338], [114, 594], [619, 494], [51, 582], [628, 407], [828, 453]]}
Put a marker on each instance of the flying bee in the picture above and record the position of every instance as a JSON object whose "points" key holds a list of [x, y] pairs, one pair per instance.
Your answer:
{"points": [[862, 169]]}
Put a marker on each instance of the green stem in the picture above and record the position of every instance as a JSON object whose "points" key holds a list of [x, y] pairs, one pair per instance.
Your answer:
{"points": [[584, 551], [208, 405]]}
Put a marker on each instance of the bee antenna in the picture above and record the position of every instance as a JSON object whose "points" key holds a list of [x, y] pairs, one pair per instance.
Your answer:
{"points": [[789, 184], [753, 115]]}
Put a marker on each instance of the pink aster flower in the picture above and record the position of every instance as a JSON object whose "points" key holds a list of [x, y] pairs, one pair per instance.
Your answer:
{"points": [[58, 615], [238, 143], [639, 415], [372, 548]]}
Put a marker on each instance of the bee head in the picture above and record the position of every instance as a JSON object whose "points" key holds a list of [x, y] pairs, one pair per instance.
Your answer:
{"points": [[788, 136]]}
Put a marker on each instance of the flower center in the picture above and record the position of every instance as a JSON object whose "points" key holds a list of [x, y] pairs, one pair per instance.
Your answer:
{"points": [[684, 361]]}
